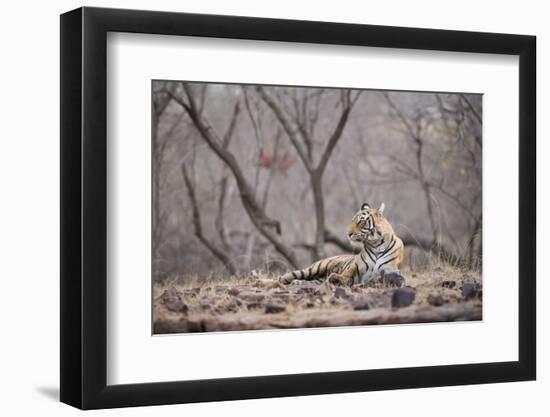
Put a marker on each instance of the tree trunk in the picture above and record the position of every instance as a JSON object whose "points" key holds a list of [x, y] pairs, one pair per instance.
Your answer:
{"points": [[255, 212], [319, 203]]}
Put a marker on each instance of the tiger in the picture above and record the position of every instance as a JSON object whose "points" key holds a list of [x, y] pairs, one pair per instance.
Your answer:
{"points": [[381, 251]]}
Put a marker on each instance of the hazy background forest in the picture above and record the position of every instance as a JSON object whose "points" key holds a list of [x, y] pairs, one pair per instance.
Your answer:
{"points": [[267, 178]]}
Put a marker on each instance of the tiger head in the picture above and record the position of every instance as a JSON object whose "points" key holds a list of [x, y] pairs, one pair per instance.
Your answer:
{"points": [[369, 225]]}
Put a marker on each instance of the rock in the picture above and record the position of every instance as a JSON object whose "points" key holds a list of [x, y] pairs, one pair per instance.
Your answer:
{"points": [[436, 300], [471, 290], [252, 305], [233, 291], [339, 292], [363, 303], [448, 284], [194, 325], [393, 279], [271, 308], [170, 326], [337, 301], [371, 300], [172, 300], [403, 297]]}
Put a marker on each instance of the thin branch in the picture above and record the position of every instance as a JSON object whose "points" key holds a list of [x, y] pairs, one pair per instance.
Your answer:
{"points": [[337, 133], [218, 253], [219, 221], [414, 132], [471, 107], [455, 199], [255, 126], [272, 168], [255, 212], [300, 120], [231, 128], [314, 115], [161, 100], [401, 116], [287, 126]]}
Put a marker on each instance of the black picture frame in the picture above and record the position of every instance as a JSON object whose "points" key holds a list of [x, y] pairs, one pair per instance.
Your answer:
{"points": [[84, 207]]}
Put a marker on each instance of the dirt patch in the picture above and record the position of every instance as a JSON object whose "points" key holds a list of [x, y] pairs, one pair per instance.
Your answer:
{"points": [[258, 303]]}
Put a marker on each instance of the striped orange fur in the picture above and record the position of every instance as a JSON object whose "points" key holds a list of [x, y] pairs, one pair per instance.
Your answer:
{"points": [[381, 250]]}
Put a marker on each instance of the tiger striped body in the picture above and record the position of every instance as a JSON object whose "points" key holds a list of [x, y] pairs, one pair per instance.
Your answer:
{"points": [[381, 250]]}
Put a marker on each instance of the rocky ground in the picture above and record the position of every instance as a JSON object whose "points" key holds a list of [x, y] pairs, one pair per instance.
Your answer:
{"points": [[258, 302]]}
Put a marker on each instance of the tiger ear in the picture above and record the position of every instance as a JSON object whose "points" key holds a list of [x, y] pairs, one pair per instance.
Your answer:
{"points": [[365, 206], [382, 207]]}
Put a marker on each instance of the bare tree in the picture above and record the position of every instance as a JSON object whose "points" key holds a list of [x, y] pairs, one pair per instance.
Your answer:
{"points": [[302, 139], [415, 133], [263, 159], [160, 101], [226, 140], [259, 218], [414, 129], [197, 223]]}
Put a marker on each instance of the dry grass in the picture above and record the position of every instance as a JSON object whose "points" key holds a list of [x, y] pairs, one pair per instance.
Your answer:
{"points": [[259, 301]]}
